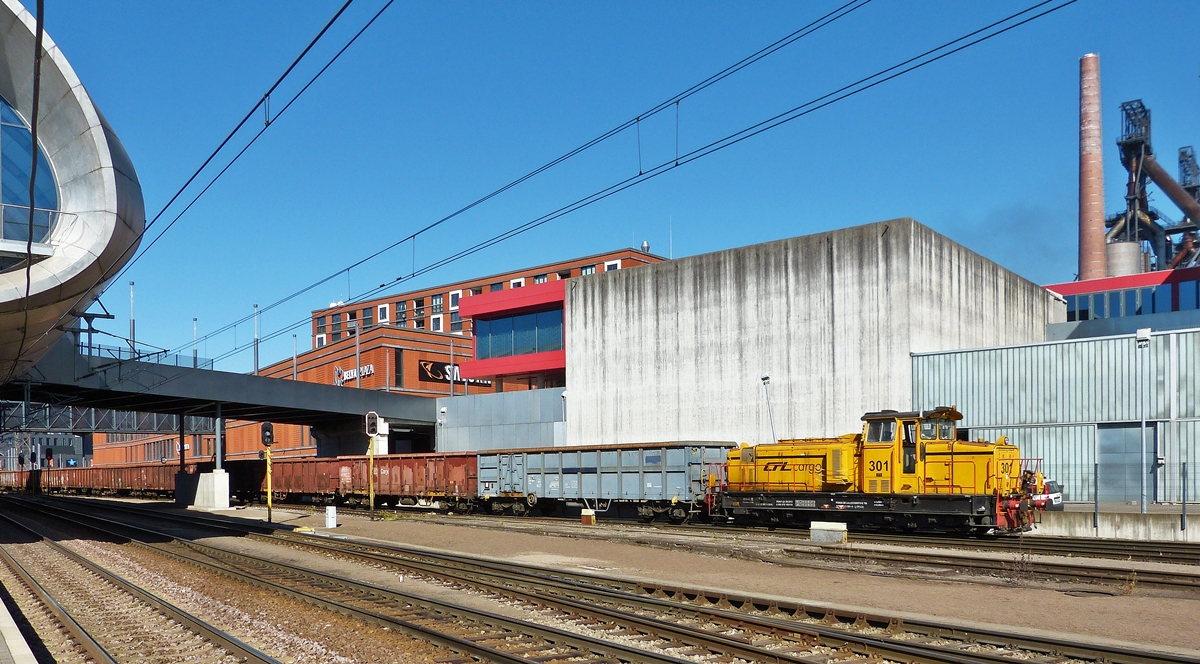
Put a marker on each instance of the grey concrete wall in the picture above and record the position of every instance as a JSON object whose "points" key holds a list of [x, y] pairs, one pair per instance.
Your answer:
{"points": [[529, 418], [674, 351]]}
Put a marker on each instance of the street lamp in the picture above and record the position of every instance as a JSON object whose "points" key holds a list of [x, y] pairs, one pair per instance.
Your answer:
{"points": [[766, 381]]}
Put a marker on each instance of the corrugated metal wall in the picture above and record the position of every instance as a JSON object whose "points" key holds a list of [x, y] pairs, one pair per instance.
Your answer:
{"points": [[529, 418], [1048, 399], [1067, 453], [1189, 441], [1093, 380]]}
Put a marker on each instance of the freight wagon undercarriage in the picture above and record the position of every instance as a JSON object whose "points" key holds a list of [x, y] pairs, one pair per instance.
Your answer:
{"points": [[951, 513]]}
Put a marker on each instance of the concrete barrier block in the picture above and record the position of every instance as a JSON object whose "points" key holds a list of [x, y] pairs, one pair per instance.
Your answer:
{"points": [[212, 491], [827, 532]]}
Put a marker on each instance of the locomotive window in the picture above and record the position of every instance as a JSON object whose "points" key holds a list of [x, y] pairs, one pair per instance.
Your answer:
{"points": [[929, 430], [881, 432], [910, 447], [947, 430]]}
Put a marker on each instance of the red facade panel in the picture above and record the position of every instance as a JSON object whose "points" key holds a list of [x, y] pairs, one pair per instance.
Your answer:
{"points": [[1142, 280]]}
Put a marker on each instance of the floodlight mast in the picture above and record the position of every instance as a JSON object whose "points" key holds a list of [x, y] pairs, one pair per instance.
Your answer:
{"points": [[766, 381]]}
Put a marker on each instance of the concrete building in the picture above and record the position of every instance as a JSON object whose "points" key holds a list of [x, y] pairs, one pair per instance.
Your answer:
{"points": [[86, 214], [675, 351], [1118, 414]]}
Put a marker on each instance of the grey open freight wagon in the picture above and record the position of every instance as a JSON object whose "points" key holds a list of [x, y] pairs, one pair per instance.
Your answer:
{"points": [[647, 479]]}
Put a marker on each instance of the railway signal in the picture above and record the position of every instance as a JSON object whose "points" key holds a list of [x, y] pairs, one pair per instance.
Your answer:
{"points": [[268, 439], [371, 425]]}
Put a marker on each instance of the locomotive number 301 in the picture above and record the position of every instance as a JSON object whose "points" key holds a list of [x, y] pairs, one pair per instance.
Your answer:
{"points": [[877, 465]]}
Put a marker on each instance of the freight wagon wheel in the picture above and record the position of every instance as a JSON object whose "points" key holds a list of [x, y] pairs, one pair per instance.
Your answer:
{"points": [[518, 509], [531, 499]]}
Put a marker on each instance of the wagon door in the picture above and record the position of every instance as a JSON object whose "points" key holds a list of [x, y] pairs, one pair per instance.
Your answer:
{"points": [[512, 474]]}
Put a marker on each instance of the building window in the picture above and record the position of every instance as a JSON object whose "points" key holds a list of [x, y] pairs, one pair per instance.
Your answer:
{"points": [[1188, 293], [420, 322], [612, 265], [1162, 298], [368, 318], [401, 313], [516, 283], [337, 327], [497, 287], [587, 269], [540, 279], [455, 322], [538, 332], [477, 291], [383, 313], [320, 325], [16, 149], [565, 274], [435, 304], [320, 340], [454, 296], [419, 308], [351, 323], [435, 323]]}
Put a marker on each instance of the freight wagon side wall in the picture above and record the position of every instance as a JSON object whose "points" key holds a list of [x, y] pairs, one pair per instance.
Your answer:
{"points": [[675, 351], [631, 473]]}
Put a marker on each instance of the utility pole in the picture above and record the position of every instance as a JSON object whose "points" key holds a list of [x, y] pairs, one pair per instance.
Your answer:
{"points": [[293, 357], [132, 328], [195, 357], [256, 340]]}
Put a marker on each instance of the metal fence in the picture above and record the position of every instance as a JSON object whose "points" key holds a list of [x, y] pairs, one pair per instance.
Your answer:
{"points": [[153, 357], [14, 416]]}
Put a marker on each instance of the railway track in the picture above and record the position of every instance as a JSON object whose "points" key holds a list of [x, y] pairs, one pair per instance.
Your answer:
{"points": [[88, 613], [1182, 553], [759, 630]]}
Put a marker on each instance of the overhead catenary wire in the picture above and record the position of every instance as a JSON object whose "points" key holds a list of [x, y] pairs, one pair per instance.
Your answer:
{"points": [[804, 31], [859, 86], [261, 103]]}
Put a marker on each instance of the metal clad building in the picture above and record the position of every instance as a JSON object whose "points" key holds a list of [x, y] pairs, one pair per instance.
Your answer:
{"points": [[1082, 402], [529, 418], [675, 351]]}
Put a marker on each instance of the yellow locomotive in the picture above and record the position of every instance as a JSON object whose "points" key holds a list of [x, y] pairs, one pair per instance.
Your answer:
{"points": [[905, 471]]}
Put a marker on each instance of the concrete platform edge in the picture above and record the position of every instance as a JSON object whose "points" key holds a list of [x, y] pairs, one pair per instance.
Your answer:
{"points": [[12, 641]]}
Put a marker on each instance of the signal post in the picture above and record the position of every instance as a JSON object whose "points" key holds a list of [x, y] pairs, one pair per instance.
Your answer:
{"points": [[268, 439], [376, 429]]}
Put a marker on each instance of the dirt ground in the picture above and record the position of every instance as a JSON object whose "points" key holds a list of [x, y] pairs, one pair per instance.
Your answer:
{"points": [[1136, 617]]}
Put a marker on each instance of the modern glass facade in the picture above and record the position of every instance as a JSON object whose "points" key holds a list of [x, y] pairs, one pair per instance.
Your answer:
{"points": [[523, 334], [1182, 296], [16, 157]]}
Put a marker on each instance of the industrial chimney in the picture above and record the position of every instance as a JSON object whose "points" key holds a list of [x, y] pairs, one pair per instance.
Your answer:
{"points": [[1091, 172]]}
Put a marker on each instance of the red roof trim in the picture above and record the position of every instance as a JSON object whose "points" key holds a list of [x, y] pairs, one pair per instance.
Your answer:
{"points": [[514, 300], [515, 364], [1129, 281]]}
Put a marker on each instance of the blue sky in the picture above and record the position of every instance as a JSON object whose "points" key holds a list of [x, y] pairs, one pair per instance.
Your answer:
{"points": [[440, 103]]}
